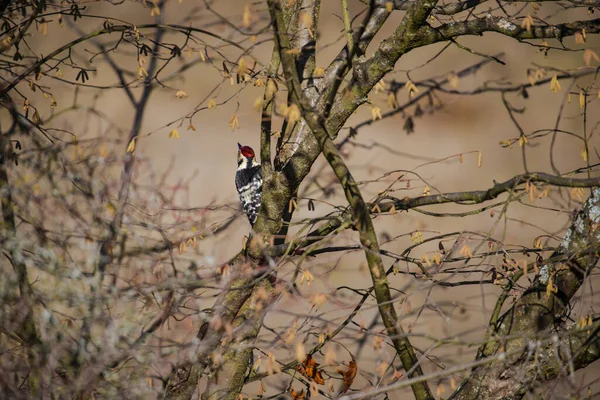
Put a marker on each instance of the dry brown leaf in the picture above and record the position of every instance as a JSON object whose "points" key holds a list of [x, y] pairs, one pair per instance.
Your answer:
{"points": [[348, 375], [309, 369], [297, 395]]}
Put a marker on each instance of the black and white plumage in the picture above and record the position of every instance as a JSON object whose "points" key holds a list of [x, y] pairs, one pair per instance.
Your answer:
{"points": [[248, 181]]}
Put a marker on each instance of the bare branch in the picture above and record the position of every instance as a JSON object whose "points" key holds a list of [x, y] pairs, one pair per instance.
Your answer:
{"points": [[501, 25], [537, 313], [360, 212], [458, 7], [480, 196]]}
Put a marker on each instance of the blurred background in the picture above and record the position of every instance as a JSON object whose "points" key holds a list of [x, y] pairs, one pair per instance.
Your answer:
{"points": [[198, 167]]}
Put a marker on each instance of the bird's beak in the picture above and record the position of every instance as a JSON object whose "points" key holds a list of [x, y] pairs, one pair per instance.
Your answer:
{"points": [[239, 146]]}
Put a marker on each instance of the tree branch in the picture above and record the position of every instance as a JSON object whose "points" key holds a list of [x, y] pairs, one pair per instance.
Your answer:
{"points": [[540, 312], [38, 9], [548, 351], [508, 28], [300, 150], [455, 8], [360, 212], [26, 331], [480, 196], [410, 34], [227, 382]]}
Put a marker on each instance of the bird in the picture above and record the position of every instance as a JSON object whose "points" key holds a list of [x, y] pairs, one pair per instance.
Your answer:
{"points": [[248, 182]]}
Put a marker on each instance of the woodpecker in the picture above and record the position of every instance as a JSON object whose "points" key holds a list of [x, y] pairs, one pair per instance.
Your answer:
{"points": [[248, 181]]}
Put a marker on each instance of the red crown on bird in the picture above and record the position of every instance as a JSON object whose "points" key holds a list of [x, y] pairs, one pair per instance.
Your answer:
{"points": [[246, 151]]}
